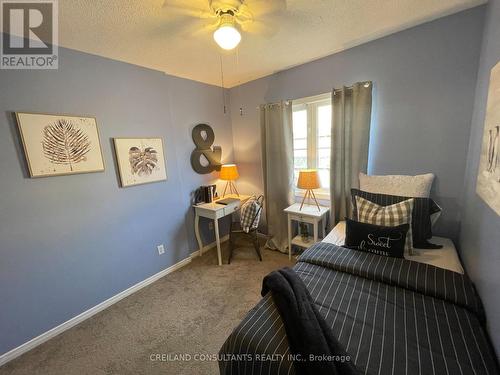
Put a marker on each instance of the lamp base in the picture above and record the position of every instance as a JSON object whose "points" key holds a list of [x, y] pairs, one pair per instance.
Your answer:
{"points": [[309, 194], [232, 189]]}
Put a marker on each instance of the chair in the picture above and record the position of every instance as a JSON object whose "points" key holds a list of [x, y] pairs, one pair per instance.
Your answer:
{"points": [[237, 229]]}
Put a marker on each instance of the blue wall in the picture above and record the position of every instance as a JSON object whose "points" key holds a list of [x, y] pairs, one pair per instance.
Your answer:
{"points": [[480, 229], [424, 80], [68, 243]]}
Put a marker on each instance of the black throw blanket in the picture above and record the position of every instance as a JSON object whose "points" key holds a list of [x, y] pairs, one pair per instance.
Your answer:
{"points": [[315, 349]]}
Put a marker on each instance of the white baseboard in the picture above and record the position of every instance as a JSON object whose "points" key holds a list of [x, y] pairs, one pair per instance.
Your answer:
{"points": [[16, 352]]}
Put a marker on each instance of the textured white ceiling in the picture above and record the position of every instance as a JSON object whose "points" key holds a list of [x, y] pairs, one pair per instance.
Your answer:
{"points": [[145, 33]]}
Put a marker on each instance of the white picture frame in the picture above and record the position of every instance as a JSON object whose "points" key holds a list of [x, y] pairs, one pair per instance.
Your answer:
{"points": [[488, 175], [140, 160], [56, 145]]}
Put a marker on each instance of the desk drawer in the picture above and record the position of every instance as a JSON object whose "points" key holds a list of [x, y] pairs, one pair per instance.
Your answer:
{"points": [[208, 213], [230, 208], [302, 218]]}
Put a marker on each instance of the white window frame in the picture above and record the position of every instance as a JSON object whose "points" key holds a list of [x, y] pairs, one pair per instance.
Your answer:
{"points": [[311, 104]]}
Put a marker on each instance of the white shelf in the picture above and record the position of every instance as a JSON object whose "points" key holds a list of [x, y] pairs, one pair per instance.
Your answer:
{"points": [[309, 214], [298, 241]]}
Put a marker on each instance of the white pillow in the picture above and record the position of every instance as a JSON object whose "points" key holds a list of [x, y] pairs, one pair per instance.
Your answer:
{"points": [[406, 186]]}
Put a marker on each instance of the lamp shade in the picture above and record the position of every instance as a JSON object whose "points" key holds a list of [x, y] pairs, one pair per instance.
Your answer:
{"points": [[308, 179], [229, 172]]}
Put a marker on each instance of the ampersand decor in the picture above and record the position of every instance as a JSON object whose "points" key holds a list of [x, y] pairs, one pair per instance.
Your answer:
{"points": [[204, 148]]}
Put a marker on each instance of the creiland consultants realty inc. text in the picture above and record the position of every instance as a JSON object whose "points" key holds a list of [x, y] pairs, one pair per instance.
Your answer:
{"points": [[246, 357]]}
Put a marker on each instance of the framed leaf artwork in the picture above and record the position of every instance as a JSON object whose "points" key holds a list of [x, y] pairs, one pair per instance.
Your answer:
{"points": [[488, 175], [60, 144], [140, 160]]}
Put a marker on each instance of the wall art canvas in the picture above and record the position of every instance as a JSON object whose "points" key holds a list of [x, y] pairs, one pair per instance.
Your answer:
{"points": [[488, 177], [60, 144], [140, 160]]}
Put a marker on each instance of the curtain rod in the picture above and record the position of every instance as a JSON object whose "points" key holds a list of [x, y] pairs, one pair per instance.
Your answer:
{"points": [[365, 83], [287, 101]]}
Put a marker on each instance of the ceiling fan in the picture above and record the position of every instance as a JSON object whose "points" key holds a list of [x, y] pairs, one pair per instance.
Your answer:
{"points": [[225, 18]]}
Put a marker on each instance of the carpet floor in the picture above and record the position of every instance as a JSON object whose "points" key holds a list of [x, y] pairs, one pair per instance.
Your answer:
{"points": [[191, 311]]}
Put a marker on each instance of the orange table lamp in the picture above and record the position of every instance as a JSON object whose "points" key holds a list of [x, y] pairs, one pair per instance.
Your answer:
{"points": [[229, 173], [309, 180]]}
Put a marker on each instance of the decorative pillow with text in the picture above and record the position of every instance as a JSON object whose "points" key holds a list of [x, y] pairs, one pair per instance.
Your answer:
{"points": [[376, 239]]}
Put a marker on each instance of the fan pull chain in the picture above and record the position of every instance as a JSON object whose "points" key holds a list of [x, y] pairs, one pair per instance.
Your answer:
{"points": [[222, 84], [237, 73]]}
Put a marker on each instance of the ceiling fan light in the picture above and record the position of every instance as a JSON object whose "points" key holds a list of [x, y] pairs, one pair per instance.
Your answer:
{"points": [[227, 36]]}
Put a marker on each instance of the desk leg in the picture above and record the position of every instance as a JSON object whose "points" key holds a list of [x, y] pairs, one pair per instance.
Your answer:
{"points": [[289, 238], [217, 239], [197, 233], [315, 229]]}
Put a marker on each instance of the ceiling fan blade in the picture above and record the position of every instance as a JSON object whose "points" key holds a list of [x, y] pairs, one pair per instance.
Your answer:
{"points": [[206, 29], [261, 16], [258, 8], [259, 27]]}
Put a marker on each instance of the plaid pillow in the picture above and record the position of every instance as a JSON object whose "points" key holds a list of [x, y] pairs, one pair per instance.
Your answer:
{"points": [[425, 212], [250, 215], [387, 216]]}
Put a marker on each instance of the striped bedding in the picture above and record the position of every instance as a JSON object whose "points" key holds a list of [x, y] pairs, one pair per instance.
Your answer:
{"points": [[393, 316]]}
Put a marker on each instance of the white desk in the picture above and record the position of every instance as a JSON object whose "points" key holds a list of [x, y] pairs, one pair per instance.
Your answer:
{"points": [[215, 212], [309, 214]]}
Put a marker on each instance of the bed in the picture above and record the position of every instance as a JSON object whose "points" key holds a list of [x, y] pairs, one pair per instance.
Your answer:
{"points": [[393, 316]]}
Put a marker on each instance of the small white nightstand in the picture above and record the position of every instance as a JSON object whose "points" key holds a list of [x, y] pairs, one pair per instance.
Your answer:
{"points": [[309, 214]]}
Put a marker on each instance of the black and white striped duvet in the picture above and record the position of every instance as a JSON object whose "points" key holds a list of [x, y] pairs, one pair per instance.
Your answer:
{"points": [[393, 316]]}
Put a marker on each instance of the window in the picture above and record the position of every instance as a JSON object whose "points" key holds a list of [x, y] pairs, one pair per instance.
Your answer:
{"points": [[312, 138]]}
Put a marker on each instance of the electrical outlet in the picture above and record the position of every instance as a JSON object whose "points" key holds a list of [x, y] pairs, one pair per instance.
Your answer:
{"points": [[161, 249], [210, 225]]}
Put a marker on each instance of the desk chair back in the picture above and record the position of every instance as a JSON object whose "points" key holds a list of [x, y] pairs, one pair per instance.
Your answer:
{"points": [[250, 214]]}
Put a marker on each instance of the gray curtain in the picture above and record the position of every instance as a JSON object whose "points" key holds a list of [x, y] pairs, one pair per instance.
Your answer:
{"points": [[277, 165], [351, 115]]}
